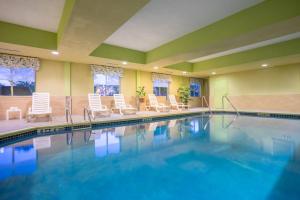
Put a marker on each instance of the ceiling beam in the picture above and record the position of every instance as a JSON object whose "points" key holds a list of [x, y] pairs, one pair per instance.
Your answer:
{"points": [[119, 53], [279, 50], [21, 35], [87, 23], [291, 47]]}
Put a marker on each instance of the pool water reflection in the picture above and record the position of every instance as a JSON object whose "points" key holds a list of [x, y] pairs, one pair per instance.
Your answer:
{"points": [[206, 157]]}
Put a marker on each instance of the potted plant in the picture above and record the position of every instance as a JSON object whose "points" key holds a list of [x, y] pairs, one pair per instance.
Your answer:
{"points": [[184, 94], [140, 92]]}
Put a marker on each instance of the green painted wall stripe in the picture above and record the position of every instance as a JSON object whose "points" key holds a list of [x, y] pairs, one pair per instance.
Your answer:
{"points": [[251, 19], [119, 53], [282, 49], [67, 11], [16, 34], [184, 66]]}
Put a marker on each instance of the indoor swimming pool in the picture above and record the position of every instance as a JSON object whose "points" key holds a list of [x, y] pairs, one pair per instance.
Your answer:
{"points": [[199, 157]]}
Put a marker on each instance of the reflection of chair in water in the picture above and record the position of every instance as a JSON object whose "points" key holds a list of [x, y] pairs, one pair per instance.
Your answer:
{"points": [[283, 146], [172, 123], [120, 131], [42, 142], [152, 126]]}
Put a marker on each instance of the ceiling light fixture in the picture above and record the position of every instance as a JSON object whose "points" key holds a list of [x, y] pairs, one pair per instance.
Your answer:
{"points": [[124, 63], [55, 52], [264, 65], [213, 73]]}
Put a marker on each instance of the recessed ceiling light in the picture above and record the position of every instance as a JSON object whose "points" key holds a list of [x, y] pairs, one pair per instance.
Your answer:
{"points": [[55, 52], [264, 65], [155, 67], [213, 73], [184, 72], [124, 63]]}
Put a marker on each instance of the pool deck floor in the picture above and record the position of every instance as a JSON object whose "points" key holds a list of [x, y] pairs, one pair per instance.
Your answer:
{"points": [[11, 126]]}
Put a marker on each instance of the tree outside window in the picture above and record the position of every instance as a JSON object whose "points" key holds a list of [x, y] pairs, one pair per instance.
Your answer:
{"points": [[160, 88], [195, 89], [106, 85], [17, 81]]}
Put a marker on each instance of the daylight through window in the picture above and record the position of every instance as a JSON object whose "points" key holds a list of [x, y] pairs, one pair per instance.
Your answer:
{"points": [[17, 81]]}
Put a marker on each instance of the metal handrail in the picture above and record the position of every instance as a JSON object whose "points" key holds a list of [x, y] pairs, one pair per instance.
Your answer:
{"points": [[87, 112], [203, 99], [223, 104], [230, 123], [69, 117]]}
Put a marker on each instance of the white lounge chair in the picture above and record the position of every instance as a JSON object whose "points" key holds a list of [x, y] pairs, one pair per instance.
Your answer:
{"points": [[96, 107], [122, 107], [174, 104], [153, 103], [40, 106]]}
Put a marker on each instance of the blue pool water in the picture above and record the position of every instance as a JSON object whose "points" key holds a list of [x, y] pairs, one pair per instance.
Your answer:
{"points": [[218, 157]]}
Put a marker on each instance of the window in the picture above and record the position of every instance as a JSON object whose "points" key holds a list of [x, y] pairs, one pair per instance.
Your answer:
{"points": [[17, 81], [106, 85], [160, 88], [195, 89]]}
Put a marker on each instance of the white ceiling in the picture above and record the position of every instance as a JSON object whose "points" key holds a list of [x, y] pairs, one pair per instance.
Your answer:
{"points": [[39, 14], [161, 21]]}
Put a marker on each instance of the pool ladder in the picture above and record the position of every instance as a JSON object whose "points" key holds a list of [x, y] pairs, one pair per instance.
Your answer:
{"points": [[204, 100], [225, 97], [86, 112]]}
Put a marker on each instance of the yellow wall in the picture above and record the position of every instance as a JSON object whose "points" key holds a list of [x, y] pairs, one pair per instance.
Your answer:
{"points": [[280, 80], [81, 80], [50, 77], [128, 83]]}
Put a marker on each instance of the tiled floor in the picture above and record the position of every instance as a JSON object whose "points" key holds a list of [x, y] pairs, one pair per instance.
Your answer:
{"points": [[14, 125]]}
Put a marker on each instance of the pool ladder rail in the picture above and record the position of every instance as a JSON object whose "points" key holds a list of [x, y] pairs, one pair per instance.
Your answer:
{"points": [[86, 112], [204, 100], [225, 97]]}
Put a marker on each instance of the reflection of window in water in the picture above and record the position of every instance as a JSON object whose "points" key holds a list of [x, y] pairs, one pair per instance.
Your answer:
{"points": [[160, 134], [25, 159], [19, 160], [106, 142], [283, 146], [6, 162], [194, 127]]}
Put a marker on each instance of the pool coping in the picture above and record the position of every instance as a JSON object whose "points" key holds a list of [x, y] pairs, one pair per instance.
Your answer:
{"points": [[60, 128]]}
